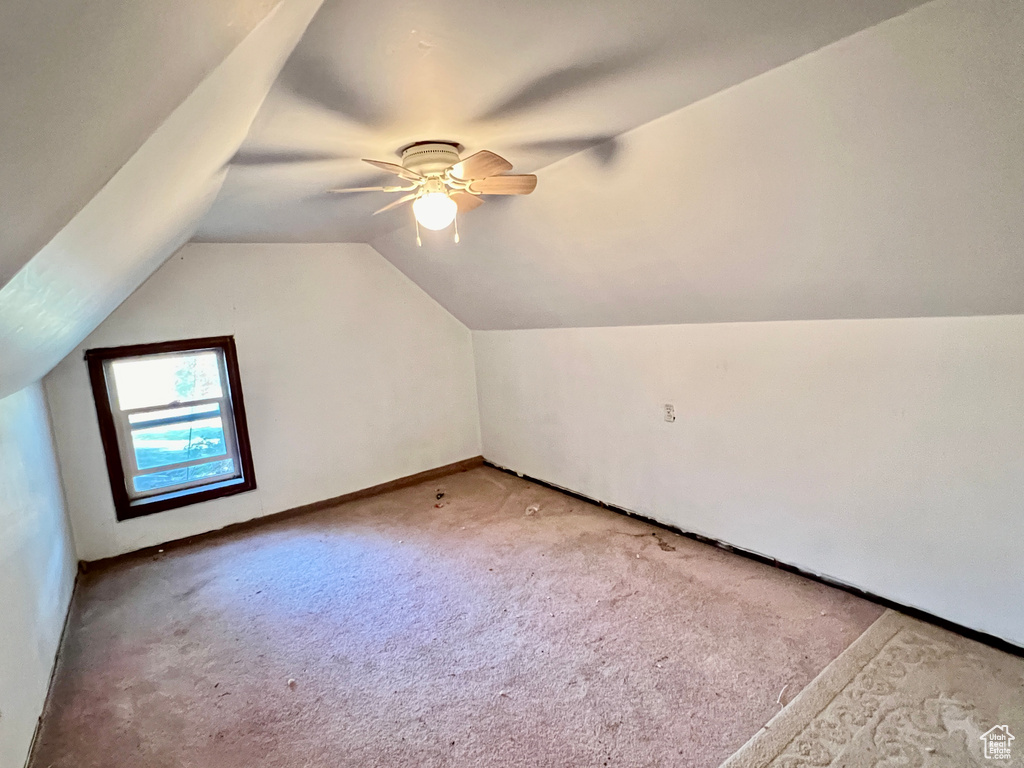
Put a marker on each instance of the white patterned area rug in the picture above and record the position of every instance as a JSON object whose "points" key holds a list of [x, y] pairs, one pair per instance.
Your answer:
{"points": [[905, 694]]}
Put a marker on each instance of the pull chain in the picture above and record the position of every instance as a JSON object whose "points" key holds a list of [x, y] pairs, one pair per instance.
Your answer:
{"points": [[417, 221], [456, 228]]}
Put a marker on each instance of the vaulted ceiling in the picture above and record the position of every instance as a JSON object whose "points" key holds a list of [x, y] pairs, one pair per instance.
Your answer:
{"points": [[535, 81], [697, 161], [882, 176], [100, 200], [84, 85]]}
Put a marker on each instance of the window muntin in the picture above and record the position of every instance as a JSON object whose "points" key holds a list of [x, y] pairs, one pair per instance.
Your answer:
{"points": [[170, 410]]}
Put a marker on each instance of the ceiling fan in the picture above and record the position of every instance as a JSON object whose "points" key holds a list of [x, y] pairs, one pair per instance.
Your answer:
{"points": [[441, 184]]}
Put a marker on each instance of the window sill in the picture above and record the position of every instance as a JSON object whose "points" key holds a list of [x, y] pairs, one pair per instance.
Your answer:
{"points": [[185, 497]]}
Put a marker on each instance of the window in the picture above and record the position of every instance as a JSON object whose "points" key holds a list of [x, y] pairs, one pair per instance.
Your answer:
{"points": [[172, 423]]}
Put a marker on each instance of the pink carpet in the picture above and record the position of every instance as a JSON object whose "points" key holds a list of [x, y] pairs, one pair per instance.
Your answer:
{"points": [[391, 632]]}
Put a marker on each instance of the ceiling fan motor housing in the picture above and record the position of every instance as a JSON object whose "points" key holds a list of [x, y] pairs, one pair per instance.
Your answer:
{"points": [[430, 158]]}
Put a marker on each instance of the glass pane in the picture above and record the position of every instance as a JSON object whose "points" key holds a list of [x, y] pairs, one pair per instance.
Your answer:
{"points": [[177, 434], [157, 480], [213, 469], [142, 382]]}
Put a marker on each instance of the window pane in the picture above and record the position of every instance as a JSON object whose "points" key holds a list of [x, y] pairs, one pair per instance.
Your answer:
{"points": [[171, 477], [142, 382], [177, 435], [213, 469]]}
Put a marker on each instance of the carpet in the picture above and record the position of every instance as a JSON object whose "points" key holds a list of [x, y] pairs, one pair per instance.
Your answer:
{"points": [[475, 621], [905, 694]]}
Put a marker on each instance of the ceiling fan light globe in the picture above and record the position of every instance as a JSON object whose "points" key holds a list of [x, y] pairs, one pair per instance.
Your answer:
{"points": [[434, 210]]}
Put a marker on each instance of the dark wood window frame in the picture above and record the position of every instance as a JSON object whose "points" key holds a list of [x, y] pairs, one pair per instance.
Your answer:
{"points": [[126, 507]]}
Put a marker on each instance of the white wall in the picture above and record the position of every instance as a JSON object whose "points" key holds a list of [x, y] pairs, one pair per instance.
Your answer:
{"points": [[888, 454], [352, 376], [37, 568]]}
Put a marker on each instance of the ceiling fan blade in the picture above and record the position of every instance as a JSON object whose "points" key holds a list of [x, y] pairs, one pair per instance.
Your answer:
{"points": [[398, 170], [483, 163], [396, 203], [505, 185], [466, 201]]}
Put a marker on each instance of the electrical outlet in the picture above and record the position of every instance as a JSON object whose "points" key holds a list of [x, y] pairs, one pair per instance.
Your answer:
{"points": [[670, 412]]}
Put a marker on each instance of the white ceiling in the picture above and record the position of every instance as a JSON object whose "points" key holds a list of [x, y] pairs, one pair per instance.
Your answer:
{"points": [[687, 172], [533, 80], [882, 176], [84, 85], [148, 208]]}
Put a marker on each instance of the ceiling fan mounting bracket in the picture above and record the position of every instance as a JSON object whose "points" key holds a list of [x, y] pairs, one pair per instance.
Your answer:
{"points": [[430, 158], [405, 147]]}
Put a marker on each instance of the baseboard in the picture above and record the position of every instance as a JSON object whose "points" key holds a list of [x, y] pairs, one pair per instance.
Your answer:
{"points": [[373, 490], [973, 634], [53, 673]]}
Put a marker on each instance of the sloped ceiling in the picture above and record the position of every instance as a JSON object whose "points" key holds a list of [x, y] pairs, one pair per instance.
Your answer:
{"points": [[693, 165], [84, 85], [533, 80], [697, 161], [147, 209], [882, 176]]}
